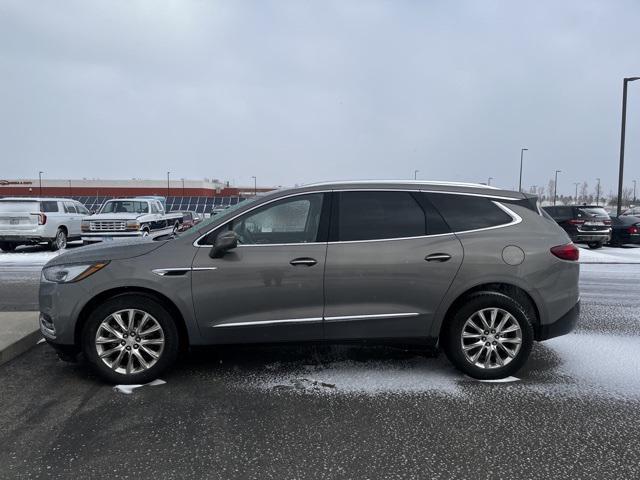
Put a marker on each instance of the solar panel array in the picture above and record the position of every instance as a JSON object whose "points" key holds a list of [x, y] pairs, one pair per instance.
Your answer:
{"points": [[200, 205]]}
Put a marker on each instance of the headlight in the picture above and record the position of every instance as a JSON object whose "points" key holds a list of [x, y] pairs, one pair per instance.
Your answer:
{"points": [[71, 273], [133, 225], [84, 226]]}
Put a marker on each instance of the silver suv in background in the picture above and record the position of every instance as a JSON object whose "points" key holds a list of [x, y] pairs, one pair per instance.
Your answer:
{"points": [[29, 221], [479, 272]]}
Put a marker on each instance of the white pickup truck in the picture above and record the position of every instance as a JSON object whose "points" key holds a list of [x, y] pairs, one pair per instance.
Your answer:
{"points": [[124, 218]]}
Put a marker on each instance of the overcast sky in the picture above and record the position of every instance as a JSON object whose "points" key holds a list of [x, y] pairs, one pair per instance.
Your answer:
{"points": [[302, 91]]}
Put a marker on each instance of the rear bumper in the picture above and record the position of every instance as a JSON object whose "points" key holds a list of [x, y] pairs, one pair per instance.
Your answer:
{"points": [[26, 238], [562, 326]]}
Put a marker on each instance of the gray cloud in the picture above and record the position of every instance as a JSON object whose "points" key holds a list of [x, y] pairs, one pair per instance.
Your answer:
{"points": [[294, 92]]}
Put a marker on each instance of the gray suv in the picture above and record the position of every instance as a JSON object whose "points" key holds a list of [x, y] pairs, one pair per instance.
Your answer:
{"points": [[477, 271]]}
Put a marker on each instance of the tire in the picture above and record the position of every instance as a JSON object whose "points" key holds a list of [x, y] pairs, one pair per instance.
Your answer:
{"points": [[8, 246], [60, 240], [518, 316], [116, 367], [145, 232], [595, 245]]}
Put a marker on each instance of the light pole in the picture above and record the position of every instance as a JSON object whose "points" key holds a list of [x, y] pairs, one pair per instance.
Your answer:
{"points": [[598, 193], [522, 150], [182, 186], [415, 174], [255, 185], [168, 173], [40, 182], [555, 187], [489, 181], [69, 187], [622, 129], [634, 191], [576, 184]]}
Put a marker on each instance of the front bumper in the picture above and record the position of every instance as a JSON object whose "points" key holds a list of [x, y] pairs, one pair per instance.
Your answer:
{"points": [[110, 236], [562, 326]]}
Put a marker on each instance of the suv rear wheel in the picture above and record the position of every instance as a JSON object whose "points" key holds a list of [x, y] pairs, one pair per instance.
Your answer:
{"points": [[60, 240], [489, 337], [130, 339]]}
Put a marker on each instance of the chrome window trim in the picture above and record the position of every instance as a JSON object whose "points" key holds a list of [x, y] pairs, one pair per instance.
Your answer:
{"points": [[269, 322], [516, 218]]}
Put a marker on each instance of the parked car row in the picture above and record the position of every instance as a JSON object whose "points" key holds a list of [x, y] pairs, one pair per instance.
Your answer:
{"points": [[56, 221], [594, 226]]}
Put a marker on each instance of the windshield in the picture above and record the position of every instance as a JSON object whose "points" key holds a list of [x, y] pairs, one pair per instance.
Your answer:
{"points": [[18, 206], [125, 206]]}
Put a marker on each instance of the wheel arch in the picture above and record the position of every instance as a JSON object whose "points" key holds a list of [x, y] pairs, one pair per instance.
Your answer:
{"points": [[174, 311], [510, 289]]}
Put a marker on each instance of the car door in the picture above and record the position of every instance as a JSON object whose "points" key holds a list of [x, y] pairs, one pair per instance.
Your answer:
{"points": [[269, 288], [72, 219], [390, 260]]}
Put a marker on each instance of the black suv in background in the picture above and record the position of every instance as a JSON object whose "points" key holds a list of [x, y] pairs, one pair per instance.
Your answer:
{"points": [[625, 230], [584, 223]]}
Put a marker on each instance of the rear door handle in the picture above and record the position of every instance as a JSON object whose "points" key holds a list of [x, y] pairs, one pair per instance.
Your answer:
{"points": [[309, 262], [438, 257]]}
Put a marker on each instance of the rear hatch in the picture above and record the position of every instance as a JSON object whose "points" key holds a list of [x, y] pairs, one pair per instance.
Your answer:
{"points": [[593, 219], [18, 216]]}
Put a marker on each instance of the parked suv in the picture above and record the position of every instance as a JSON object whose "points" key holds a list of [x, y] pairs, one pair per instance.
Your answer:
{"points": [[477, 271], [584, 224], [28, 221]]}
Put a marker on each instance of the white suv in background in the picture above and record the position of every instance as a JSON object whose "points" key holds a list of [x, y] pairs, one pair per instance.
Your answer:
{"points": [[29, 221]]}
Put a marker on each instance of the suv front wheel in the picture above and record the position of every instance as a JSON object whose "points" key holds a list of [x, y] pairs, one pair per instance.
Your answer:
{"points": [[489, 337], [130, 339]]}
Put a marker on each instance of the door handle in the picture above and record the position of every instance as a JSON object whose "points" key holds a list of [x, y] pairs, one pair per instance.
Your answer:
{"points": [[438, 257], [309, 262]]}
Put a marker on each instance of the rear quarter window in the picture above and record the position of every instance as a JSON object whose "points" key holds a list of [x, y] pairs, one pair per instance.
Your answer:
{"points": [[465, 212], [48, 206]]}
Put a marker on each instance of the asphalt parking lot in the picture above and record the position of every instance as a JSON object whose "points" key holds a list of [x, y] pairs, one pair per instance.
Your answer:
{"points": [[340, 411]]}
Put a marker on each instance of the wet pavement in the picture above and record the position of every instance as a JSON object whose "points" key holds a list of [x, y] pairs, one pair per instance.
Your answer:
{"points": [[343, 411]]}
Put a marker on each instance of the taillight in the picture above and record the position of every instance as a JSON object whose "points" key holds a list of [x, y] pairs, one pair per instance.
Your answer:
{"points": [[633, 229], [42, 218], [576, 222], [566, 252]]}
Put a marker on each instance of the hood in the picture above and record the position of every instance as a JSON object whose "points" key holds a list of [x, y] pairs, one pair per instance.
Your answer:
{"points": [[120, 250], [114, 216]]}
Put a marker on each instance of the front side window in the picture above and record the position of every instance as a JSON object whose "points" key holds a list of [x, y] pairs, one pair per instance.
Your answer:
{"points": [[292, 220], [70, 207], [467, 212], [379, 215], [82, 209], [154, 208]]}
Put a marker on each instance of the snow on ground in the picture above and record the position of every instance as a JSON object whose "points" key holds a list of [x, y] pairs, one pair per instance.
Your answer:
{"points": [[27, 257], [629, 254]]}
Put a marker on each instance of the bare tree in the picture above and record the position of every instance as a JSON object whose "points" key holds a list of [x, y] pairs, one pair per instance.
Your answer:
{"points": [[584, 192], [551, 188], [540, 193]]}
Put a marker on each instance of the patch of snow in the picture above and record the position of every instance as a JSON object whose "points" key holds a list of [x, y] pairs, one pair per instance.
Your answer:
{"points": [[610, 255], [128, 389]]}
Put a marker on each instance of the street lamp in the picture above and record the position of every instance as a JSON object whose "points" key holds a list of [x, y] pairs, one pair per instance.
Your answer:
{"points": [[624, 122], [634, 191], [168, 173], [182, 186], [489, 181], [598, 193], [555, 188], [522, 150], [415, 174], [576, 184], [255, 185], [40, 182]]}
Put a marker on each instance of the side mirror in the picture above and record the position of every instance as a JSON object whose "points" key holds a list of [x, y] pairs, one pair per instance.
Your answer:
{"points": [[224, 242]]}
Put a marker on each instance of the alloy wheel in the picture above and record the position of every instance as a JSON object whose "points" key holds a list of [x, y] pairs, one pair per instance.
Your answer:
{"points": [[491, 338], [129, 341], [61, 240]]}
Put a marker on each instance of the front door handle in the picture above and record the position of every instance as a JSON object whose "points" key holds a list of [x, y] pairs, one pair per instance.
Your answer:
{"points": [[309, 262], [438, 257]]}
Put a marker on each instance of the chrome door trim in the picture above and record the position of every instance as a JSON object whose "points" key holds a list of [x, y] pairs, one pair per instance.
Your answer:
{"points": [[164, 271], [269, 322], [373, 316]]}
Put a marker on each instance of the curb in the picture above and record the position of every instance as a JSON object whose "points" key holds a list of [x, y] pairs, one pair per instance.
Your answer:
{"points": [[19, 347]]}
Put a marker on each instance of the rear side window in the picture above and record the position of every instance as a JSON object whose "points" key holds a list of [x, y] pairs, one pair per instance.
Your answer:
{"points": [[465, 212], [48, 206], [379, 215]]}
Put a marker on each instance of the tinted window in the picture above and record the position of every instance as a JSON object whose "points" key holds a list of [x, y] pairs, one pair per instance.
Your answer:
{"points": [[465, 212], [70, 207], [378, 215], [292, 220], [592, 212], [48, 206]]}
